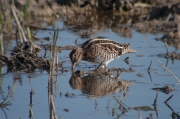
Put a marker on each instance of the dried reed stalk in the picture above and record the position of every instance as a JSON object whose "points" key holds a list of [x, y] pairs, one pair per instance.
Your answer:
{"points": [[164, 67], [17, 21], [1, 43], [53, 60], [21, 30], [53, 107]]}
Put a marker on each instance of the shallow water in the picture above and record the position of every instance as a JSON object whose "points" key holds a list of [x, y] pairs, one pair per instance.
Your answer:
{"points": [[80, 103]]}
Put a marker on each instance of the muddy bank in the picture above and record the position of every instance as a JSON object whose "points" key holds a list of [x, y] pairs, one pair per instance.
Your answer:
{"points": [[86, 17], [156, 16]]}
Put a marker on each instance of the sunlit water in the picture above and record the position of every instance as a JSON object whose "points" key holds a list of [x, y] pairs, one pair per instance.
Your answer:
{"points": [[81, 105]]}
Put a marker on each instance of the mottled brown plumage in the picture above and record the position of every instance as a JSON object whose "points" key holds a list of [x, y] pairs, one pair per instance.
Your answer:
{"points": [[99, 50]]}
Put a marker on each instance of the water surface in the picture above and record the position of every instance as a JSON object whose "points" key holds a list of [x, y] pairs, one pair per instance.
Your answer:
{"points": [[82, 105]]}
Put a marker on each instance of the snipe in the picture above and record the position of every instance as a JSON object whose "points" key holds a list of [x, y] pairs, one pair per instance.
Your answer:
{"points": [[99, 50]]}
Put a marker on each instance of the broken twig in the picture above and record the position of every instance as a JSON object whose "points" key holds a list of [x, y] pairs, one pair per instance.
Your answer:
{"points": [[168, 99], [169, 71]]}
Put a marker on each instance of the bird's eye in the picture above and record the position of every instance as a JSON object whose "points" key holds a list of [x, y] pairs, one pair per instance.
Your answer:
{"points": [[74, 55]]}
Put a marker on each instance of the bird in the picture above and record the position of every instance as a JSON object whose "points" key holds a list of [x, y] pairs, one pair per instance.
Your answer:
{"points": [[99, 50]]}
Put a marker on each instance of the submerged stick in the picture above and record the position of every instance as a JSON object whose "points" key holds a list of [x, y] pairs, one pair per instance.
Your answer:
{"points": [[168, 99], [169, 106], [149, 68], [166, 47], [150, 76], [155, 100], [169, 71], [108, 104], [30, 105], [32, 117]]}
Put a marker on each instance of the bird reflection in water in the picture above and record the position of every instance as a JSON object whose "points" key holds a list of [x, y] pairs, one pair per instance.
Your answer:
{"points": [[98, 85]]}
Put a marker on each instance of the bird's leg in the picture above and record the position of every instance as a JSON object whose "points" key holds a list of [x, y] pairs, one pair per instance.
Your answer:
{"points": [[100, 66]]}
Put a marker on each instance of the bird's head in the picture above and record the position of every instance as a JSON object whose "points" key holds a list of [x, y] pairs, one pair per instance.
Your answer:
{"points": [[127, 49], [76, 55]]}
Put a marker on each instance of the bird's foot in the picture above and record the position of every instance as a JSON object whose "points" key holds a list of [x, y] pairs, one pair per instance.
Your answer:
{"points": [[101, 67]]}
